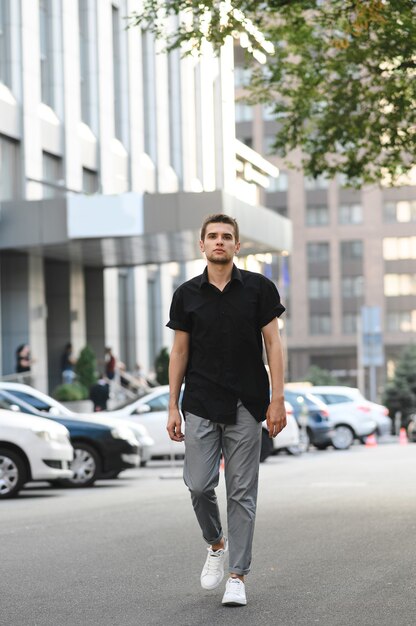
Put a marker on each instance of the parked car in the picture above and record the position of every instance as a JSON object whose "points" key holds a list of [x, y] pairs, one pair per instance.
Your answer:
{"points": [[349, 422], [350, 397], [51, 407], [99, 450], [288, 439], [318, 429], [31, 449], [151, 411]]}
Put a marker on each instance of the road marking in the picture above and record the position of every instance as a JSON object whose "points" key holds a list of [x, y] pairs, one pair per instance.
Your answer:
{"points": [[333, 484]]}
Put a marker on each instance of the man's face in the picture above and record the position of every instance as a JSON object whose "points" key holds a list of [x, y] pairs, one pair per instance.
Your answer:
{"points": [[219, 244]]}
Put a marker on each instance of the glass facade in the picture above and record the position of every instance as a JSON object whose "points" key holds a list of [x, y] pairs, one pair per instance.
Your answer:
{"points": [[5, 64]]}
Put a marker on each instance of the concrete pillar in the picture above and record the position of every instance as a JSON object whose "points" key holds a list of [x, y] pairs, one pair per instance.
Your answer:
{"points": [[37, 322], [14, 286], [57, 290], [111, 310], [141, 318], [94, 311], [78, 335]]}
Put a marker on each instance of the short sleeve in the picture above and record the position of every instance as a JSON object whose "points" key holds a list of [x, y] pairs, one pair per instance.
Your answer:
{"points": [[269, 304], [178, 318]]}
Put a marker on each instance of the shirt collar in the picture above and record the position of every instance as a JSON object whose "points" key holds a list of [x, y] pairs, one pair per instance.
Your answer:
{"points": [[235, 275]]}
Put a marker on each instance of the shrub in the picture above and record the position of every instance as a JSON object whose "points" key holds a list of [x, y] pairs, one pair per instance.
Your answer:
{"points": [[69, 393], [86, 368], [162, 367]]}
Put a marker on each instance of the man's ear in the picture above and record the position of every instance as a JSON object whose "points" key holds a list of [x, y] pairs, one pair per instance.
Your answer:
{"points": [[237, 248], [201, 246]]}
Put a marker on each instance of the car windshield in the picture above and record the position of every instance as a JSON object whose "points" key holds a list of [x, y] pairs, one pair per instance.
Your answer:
{"points": [[334, 398]]}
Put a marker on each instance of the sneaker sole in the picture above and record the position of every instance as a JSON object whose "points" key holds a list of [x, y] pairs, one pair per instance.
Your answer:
{"points": [[233, 603]]}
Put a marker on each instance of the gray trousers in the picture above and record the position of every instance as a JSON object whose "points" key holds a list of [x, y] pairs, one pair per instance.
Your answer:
{"points": [[240, 444]]}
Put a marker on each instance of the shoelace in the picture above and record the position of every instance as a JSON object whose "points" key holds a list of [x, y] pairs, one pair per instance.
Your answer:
{"points": [[212, 563]]}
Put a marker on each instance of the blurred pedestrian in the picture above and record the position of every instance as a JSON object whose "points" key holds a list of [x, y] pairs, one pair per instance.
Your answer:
{"points": [[68, 362], [100, 393], [110, 363], [24, 359], [220, 319]]}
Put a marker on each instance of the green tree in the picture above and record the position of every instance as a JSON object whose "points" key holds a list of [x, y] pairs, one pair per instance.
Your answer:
{"points": [[340, 76], [400, 392], [318, 376], [162, 367], [86, 368]]}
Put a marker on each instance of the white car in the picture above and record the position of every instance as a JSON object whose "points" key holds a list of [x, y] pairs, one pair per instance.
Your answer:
{"points": [[352, 414], [31, 449], [151, 410], [44, 403], [288, 438]]}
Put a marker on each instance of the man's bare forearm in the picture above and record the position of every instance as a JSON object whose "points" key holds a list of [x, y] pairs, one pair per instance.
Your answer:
{"points": [[274, 351], [177, 367]]}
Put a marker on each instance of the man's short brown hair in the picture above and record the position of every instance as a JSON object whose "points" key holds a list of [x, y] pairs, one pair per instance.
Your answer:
{"points": [[222, 219]]}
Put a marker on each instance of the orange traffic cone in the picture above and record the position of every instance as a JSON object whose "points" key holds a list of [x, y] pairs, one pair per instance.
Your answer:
{"points": [[371, 441], [403, 437], [222, 464]]}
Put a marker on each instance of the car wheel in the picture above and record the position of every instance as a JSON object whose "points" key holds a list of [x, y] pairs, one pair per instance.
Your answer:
{"points": [[86, 466], [266, 445], [143, 463], [342, 438], [12, 473]]}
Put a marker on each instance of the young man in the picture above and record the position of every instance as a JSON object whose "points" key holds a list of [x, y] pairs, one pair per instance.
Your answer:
{"points": [[219, 319]]}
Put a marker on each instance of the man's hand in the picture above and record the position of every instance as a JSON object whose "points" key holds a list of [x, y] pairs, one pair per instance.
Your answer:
{"points": [[276, 417], [174, 425]]}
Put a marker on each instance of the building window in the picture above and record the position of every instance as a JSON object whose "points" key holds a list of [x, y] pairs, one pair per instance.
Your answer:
{"points": [[46, 52], [268, 144], [279, 183], [318, 252], [320, 325], [352, 286], [399, 285], [317, 216], [401, 321], [5, 64], [319, 288], [399, 248], [403, 211], [175, 113], [84, 60], [312, 184], [52, 175], [118, 105], [247, 141], [349, 323], [90, 182], [268, 112], [9, 169], [352, 250], [241, 76], [350, 214], [149, 95], [243, 112]]}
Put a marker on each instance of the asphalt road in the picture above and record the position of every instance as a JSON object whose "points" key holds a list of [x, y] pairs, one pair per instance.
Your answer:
{"points": [[335, 545]]}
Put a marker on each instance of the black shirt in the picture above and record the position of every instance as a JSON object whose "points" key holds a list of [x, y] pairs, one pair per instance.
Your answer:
{"points": [[226, 349]]}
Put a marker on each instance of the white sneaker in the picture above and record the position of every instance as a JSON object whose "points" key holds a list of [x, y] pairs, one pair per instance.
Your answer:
{"points": [[213, 571], [235, 593]]}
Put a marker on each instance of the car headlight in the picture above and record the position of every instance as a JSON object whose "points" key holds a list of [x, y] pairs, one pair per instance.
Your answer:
{"points": [[46, 435], [123, 433]]}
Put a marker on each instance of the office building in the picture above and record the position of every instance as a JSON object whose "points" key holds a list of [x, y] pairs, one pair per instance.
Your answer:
{"points": [[111, 154]]}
